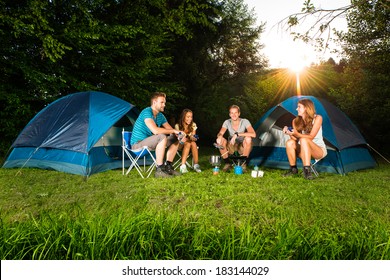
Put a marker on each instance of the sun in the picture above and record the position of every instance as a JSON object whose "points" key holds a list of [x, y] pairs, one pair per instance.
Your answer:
{"points": [[297, 68], [298, 57], [296, 64]]}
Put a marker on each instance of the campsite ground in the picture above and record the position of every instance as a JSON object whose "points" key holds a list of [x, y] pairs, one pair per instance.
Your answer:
{"points": [[53, 215]]}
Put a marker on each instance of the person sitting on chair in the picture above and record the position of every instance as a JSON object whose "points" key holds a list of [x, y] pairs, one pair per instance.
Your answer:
{"points": [[240, 137], [306, 139], [151, 129], [189, 127]]}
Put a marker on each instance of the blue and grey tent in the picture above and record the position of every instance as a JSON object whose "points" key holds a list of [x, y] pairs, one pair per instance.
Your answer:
{"points": [[347, 148], [79, 133]]}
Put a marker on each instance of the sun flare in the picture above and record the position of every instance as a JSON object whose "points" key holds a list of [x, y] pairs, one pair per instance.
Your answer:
{"points": [[297, 65], [298, 57]]}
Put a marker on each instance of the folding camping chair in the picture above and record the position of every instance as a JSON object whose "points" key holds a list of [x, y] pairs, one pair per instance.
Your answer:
{"points": [[313, 167], [136, 155]]}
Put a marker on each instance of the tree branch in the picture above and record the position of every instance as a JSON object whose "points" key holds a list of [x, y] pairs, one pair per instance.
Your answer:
{"points": [[321, 25]]}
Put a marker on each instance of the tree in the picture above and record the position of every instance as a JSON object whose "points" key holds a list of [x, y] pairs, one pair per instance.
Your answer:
{"points": [[319, 34], [215, 65], [51, 48], [365, 91]]}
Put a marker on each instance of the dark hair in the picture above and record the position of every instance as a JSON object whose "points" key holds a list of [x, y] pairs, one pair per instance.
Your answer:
{"points": [[181, 121]]}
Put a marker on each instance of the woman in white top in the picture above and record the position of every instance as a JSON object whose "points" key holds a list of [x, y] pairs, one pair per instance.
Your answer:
{"points": [[187, 124], [306, 139]]}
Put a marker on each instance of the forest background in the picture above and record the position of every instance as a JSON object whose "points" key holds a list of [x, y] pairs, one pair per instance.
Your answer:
{"points": [[205, 54]]}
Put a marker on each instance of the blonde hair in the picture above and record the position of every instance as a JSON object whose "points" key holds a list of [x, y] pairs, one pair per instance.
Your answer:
{"points": [[306, 124], [156, 95], [235, 107]]}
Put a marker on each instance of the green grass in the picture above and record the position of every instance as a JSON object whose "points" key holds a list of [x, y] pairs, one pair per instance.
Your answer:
{"points": [[53, 215]]}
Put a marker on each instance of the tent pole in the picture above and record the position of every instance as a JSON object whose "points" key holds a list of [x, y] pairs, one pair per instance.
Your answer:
{"points": [[378, 153], [340, 161], [123, 152], [24, 164]]}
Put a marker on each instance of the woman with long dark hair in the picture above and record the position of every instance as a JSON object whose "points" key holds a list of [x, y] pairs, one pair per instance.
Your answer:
{"points": [[188, 143], [306, 139]]}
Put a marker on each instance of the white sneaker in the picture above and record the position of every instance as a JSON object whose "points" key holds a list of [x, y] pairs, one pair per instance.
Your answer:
{"points": [[183, 169], [197, 168]]}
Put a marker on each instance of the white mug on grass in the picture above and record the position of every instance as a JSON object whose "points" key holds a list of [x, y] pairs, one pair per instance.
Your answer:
{"points": [[257, 173], [254, 173]]}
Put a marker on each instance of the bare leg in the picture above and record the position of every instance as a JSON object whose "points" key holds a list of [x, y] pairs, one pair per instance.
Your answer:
{"points": [[194, 151], [247, 145], [291, 150], [171, 153], [160, 151], [185, 152], [223, 151], [309, 150]]}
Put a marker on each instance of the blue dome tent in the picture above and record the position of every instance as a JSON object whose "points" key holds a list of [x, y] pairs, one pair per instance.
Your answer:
{"points": [[79, 133], [347, 148]]}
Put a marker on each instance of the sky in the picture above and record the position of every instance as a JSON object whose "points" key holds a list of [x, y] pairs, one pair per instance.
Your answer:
{"points": [[280, 49]]}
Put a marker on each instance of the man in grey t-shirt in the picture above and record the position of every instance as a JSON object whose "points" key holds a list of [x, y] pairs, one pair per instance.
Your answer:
{"points": [[240, 137]]}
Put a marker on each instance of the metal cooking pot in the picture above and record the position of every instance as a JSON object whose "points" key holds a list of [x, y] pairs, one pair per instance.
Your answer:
{"points": [[215, 160]]}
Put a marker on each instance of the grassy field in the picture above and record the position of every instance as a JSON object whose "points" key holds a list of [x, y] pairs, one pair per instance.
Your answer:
{"points": [[53, 215]]}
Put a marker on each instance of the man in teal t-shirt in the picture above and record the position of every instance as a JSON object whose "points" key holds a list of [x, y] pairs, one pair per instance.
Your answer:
{"points": [[152, 129]]}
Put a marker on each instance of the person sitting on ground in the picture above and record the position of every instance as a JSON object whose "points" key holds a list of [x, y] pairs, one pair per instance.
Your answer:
{"points": [[306, 139], [151, 129], [239, 140], [188, 143]]}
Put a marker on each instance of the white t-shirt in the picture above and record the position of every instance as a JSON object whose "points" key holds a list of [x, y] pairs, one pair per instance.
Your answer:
{"points": [[244, 124], [318, 139]]}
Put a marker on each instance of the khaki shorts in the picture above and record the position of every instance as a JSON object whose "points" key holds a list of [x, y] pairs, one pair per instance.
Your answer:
{"points": [[237, 145], [152, 141]]}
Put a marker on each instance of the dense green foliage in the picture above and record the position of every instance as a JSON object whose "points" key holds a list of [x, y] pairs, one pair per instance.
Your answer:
{"points": [[205, 54], [362, 90], [53, 215], [365, 90], [126, 48]]}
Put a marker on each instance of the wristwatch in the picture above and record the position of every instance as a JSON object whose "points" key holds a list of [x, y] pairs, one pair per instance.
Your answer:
{"points": [[236, 133]]}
